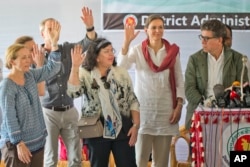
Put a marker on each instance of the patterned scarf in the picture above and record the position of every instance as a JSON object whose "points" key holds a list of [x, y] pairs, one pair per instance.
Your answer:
{"points": [[110, 109], [167, 63]]}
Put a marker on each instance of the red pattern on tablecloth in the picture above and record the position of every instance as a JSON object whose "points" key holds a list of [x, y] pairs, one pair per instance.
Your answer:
{"points": [[198, 150], [196, 142]]}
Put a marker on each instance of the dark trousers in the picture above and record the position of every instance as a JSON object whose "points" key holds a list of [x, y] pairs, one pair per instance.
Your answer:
{"points": [[99, 151], [10, 157]]}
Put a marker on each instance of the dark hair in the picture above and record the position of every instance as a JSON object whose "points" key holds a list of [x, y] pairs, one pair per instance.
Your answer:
{"points": [[216, 26], [153, 17], [230, 30], [93, 51]]}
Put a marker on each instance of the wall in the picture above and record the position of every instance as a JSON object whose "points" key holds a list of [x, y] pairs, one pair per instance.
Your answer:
{"points": [[23, 17]]}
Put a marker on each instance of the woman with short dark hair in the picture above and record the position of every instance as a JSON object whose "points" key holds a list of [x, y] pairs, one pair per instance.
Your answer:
{"points": [[107, 91]]}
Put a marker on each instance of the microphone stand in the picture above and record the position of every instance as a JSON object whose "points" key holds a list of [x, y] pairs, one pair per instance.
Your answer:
{"points": [[244, 61]]}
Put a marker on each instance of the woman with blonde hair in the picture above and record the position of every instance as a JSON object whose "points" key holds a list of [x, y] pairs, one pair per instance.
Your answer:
{"points": [[23, 130]]}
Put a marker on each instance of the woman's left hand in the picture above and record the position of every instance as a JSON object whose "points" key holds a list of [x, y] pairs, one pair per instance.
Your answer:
{"points": [[176, 114], [23, 153], [133, 131]]}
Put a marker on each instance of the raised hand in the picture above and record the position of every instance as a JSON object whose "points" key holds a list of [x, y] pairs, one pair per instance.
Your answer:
{"points": [[129, 33], [77, 56], [38, 56], [87, 17], [54, 32]]}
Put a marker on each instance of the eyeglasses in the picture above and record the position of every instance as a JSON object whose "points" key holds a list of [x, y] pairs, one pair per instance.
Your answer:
{"points": [[106, 83], [107, 51], [205, 38]]}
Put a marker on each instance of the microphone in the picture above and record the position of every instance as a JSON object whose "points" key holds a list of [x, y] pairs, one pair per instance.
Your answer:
{"points": [[210, 102], [244, 62], [246, 90], [219, 95], [235, 84], [235, 97], [227, 97]]}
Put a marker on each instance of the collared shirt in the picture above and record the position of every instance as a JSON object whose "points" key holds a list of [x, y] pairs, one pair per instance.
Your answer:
{"points": [[153, 90], [215, 70], [56, 87]]}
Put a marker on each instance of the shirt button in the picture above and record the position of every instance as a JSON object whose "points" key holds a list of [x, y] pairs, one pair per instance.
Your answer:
{"points": [[62, 95]]}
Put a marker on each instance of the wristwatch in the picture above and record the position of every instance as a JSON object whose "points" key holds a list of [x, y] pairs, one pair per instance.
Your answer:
{"points": [[90, 29]]}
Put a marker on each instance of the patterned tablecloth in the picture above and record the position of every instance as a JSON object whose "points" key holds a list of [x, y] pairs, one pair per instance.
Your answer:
{"points": [[215, 132]]}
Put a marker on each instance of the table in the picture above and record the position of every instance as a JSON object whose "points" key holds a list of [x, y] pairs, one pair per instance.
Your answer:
{"points": [[217, 131]]}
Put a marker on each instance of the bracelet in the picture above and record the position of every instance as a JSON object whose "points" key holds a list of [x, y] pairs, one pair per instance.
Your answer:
{"points": [[136, 126], [90, 29], [180, 101]]}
